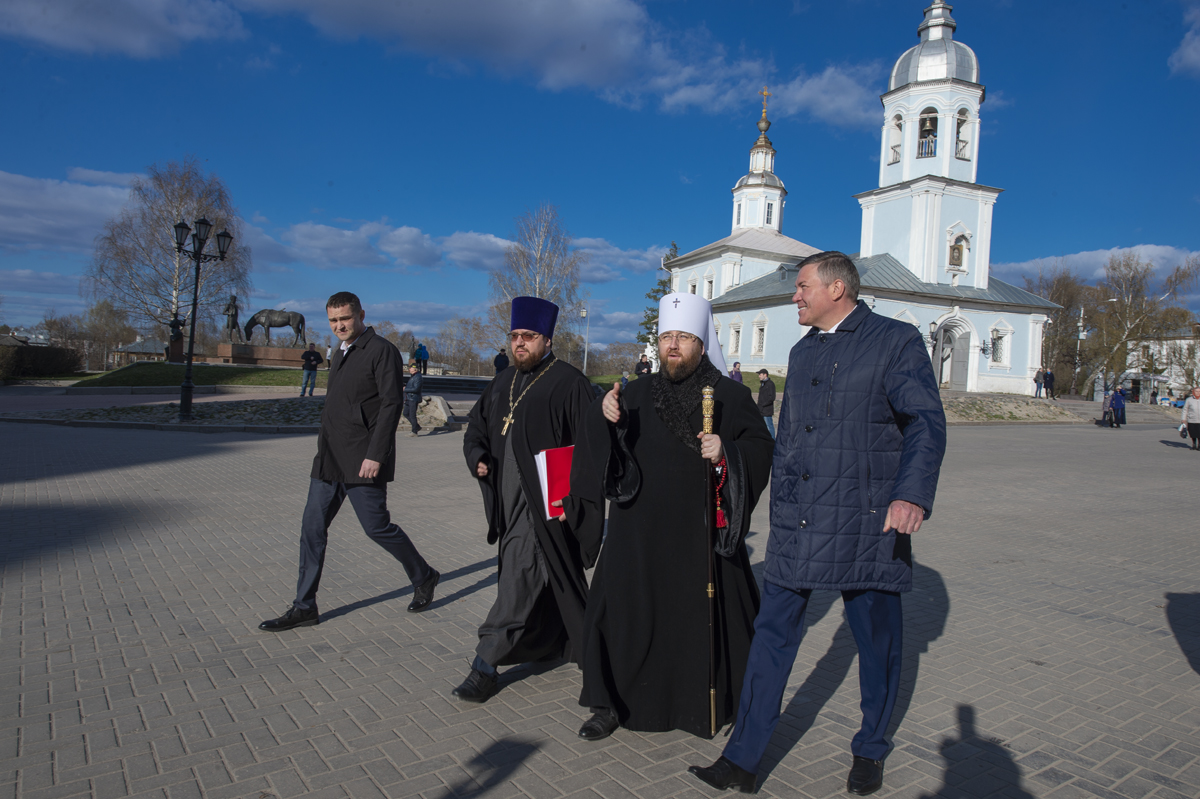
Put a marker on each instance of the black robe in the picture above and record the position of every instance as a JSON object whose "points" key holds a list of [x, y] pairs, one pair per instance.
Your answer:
{"points": [[646, 650], [550, 414]]}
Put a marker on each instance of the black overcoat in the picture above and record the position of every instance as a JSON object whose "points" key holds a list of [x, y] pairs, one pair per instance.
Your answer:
{"points": [[646, 654], [362, 410], [550, 414]]}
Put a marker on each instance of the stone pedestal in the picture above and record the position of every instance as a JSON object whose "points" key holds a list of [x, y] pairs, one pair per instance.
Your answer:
{"points": [[251, 355], [175, 353]]}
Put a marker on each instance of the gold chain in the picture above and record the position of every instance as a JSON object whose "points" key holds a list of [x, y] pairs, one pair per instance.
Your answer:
{"points": [[512, 406]]}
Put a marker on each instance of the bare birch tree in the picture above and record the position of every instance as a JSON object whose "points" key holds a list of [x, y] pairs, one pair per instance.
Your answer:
{"points": [[135, 264], [539, 263]]}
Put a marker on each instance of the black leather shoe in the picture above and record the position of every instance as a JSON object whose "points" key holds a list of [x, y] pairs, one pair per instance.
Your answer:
{"points": [[423, 593], [599, 726], [478, 687], [866, 776], [292, 619], [725, 774]]}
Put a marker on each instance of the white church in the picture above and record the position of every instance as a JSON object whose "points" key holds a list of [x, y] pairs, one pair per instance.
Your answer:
{"points": [[925, 249]]}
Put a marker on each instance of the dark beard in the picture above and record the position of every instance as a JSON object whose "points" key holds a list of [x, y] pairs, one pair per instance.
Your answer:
{"points": [[676, 400], [683, 370]]}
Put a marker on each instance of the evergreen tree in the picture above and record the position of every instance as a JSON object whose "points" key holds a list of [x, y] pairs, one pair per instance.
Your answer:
{"points": [[649, 323]]}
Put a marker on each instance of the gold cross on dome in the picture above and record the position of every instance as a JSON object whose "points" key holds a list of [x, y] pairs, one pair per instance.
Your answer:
{"points": [[765, 94]]}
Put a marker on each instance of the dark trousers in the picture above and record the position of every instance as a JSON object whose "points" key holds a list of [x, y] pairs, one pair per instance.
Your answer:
{"points": [[410, 411], [1193, 431], [370, 505], [424, 364], [877, 623]]}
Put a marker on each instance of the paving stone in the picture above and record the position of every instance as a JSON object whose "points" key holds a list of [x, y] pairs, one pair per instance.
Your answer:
{"points": [[1043, 654]]}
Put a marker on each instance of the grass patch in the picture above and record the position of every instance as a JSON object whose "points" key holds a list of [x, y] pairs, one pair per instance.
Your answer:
{"points": [[171, 374]]}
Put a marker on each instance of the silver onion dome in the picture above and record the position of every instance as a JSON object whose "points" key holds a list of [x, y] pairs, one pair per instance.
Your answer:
{"points": [[938, 56]]}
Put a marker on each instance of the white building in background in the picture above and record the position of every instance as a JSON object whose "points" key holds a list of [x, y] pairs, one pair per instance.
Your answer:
{"points": [[925, 250]]}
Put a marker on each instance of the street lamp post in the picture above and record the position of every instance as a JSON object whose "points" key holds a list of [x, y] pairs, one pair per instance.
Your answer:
{"points": [[199, 239], [583, 313]]}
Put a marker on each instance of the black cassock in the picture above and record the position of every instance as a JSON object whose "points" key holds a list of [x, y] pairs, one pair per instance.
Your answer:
{"points": [[646, 645], [540, 600]]}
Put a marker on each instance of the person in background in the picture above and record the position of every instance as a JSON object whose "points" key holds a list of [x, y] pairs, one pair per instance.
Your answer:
{"points": [[766, 399], [1048, 382], [500, 361], [624, 379], [423, 359], [412, 397], [735, 373], [642, 367], [312, 359], [1037, 384], [1118, 408], [1191, 417]]}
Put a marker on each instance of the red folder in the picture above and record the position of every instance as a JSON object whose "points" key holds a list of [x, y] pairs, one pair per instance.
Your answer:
{"points": [[554, 475]]}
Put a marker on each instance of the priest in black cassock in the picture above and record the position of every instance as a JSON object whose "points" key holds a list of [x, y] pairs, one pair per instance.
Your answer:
{"points": [[537, 404], [647, 644]]}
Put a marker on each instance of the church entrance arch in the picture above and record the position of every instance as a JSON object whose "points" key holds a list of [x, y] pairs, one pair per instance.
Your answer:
{"points": [[952, 355]]}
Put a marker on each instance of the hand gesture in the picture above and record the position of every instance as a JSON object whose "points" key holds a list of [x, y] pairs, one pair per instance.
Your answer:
{"points": [[612, 405], [369, 469], [711, 447]]}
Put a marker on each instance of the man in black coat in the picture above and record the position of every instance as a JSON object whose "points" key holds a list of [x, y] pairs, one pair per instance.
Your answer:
{"points": [[1048, 382], [642, 367], [766, 399], [861, 439], [356, 458], [500, 361]]}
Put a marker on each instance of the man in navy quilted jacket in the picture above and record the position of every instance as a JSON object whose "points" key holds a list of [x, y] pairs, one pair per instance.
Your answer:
{"points": [[861, 439]]}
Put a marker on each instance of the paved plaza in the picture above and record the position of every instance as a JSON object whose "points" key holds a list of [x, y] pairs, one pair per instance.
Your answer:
{"points": [[1053, 639]]}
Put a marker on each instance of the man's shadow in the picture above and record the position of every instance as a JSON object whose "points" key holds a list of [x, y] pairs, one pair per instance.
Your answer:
{"points": [[925, 610], [437, 602], [975, 765], [1183, 614]]}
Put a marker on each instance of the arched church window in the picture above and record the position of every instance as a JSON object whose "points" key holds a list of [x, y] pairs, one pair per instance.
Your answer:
{"points": [[927, 143], [895, 138], [962, 147]]}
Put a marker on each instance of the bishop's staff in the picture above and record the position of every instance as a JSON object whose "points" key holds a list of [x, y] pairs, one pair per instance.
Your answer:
{"points": [[706, 408]]}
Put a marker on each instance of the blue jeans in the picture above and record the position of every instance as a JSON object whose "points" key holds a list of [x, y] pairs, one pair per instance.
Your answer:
{"points": [[370, 505], [770, 425], [877, 623], [1038, 390], [310, 382]]}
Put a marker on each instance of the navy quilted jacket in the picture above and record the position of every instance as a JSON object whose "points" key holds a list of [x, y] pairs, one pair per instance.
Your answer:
{"points": [[861, 425]]}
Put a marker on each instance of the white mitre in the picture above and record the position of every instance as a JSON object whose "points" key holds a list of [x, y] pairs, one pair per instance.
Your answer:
{"points": [[689, 313]]}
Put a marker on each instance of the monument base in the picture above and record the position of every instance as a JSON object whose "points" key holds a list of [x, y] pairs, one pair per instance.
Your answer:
{"points": [[251, 355], [175, 351]]}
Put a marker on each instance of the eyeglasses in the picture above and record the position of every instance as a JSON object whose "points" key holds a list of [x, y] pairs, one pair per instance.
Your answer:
{"points": [[522, 335], [671, 338]]}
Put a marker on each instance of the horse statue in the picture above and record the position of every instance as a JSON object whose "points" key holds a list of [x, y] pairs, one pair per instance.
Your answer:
{"points": [[269, 318]]}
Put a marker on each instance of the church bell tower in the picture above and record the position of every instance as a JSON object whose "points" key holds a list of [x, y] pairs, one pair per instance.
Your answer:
{"points": [[929, 212], [759, 196]]}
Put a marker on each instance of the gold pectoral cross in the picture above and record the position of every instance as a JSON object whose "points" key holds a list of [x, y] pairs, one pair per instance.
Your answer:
{"points": [[507, 421]]}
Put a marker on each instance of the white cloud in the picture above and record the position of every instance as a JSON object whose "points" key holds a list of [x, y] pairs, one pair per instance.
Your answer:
{"points": [[81, 175], [611, 47], [138, 28], [1090, 264], [1186, 58], [44, 214], [327, 247], [408, 246], [607, 262], [470, 250]]}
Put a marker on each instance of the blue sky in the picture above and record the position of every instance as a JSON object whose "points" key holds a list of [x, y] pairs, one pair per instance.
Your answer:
{"points": [[385, 148]]}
